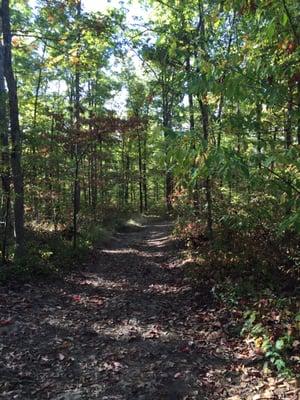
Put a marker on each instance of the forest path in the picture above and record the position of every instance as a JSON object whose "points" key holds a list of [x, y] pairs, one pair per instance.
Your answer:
{"points": [[127, 327]]}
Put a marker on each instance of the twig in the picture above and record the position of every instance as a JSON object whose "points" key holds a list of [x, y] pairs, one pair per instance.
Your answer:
{"points": [[283, 180], [291, 21]]}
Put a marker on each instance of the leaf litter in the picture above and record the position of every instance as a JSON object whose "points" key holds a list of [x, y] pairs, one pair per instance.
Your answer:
{"points": [[129, 326]]}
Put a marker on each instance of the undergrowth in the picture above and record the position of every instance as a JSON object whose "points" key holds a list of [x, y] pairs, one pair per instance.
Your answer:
{"points": [[50, 254], [254, 271]]}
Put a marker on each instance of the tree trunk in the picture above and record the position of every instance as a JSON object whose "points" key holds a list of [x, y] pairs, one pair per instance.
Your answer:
{"points": [[76, 203], [127, 177], [167, 128], [222, 82], [140, 173], [208, 196], [258, 131], [195, 189], [94, 189], [101, 174], [4, 155], [35, 109], [76, 191], [288, 143], [298, 104], [288, 125], [145, 187], [16, 152]]}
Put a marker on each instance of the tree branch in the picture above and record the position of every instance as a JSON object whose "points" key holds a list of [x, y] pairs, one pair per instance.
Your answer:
{"points": [[291, 21], [281, 178]]}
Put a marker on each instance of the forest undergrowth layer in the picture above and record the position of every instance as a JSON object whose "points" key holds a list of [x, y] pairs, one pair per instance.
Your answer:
{"points": [[254, 275], [50, 253]]}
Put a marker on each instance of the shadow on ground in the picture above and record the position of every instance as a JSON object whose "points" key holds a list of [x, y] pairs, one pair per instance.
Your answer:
{"points": [[128, 327]]}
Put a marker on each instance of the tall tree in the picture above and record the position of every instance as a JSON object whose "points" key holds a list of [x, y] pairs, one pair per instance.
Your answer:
{"points": [[15, 132]]}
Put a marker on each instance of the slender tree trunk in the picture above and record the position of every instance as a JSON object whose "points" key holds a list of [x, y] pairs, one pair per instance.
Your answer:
{"points": [[298, 105], [145, 187], [101, 174], [76, 202], [208, 196], [238, 134], [51, 170], [85, 182], [140, 173], [16, 151], [124, 183], [57, 218], [222, 81], [167, 127], [195, 189], [169, 190], [219, 117], [288, 143], [288, 124], [127, 177], [273, 147], [89, 175], [76, 191], [157, 192], [202, 98], [4, 155], [92, 157], [94, 191], [34, 122], [37, 91], [258, 131]]}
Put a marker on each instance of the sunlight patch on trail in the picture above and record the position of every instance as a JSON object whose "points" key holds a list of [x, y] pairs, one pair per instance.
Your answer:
{"points": [[160, 242], [167, 288], [133, 329], [119, 251], [97, 281]]}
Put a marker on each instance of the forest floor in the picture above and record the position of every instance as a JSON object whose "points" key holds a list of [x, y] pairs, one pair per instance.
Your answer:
{"points": [[128, 325]]}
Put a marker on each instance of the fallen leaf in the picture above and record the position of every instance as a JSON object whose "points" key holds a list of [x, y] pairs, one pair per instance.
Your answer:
{"points": [[4, 322]]}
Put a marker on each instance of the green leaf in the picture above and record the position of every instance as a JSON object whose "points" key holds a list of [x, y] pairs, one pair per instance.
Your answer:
{"points": [[280, 364], [279, 345], [270, 30], [285, 19]]}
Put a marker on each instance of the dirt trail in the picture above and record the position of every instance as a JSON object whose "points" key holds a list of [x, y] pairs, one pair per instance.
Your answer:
{"points": [[128, 327]]}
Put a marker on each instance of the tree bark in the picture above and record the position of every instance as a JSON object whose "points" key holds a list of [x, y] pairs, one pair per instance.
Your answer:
{"points": [[258, 131], [140, 173], [202, 98], [208, 196], [195, 190], [16, 151], [288, 143], [4, 155], [288, 125], [298, 105], [76, 190], [167, 128], [145, 186]]}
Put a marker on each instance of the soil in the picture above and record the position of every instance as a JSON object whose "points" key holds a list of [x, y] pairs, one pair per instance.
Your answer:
{"points": [[128, 326]]}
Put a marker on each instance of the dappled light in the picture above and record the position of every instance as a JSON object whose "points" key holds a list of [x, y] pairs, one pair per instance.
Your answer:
{"points": [[149, 200], [127, 327]]}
